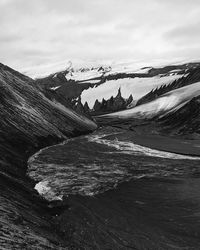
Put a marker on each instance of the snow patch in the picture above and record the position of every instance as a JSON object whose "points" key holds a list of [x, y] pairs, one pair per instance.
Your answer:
{"points": [[45, 191], [138, 87], [162, 104], [85, 75], [55, 88]]}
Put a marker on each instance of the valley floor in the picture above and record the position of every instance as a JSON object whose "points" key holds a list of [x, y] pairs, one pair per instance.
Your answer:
{"points": [[142, 198], [146, 136], [145, 214]]}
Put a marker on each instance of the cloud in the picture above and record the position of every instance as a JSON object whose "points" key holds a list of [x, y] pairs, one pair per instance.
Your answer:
{"points": [[5, 2], [48, 31], [185, 34]]}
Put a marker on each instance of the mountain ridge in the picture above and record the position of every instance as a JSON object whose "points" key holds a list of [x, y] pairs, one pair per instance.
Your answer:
{"points": [[68, 85]]}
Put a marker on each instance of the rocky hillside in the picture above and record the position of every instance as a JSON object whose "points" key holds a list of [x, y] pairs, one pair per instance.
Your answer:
{"points": [[29, 121], [185, 120], [26, 116], [192, 76]]}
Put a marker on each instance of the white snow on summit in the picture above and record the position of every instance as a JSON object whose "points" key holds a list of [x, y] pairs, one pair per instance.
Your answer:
{"points": [[84, 74]]}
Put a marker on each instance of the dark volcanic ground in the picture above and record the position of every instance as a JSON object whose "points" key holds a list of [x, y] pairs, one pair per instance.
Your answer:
{"points": [[120, 195], [150, 213]]}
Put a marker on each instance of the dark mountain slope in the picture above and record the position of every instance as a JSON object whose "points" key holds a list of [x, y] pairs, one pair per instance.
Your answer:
{"points": [[67, 89], [26, 116], [29, 121], [185, 120], [193, 75]]}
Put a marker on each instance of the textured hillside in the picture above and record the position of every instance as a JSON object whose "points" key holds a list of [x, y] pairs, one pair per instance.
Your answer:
{"points": [[161, 106], [192, 76], [29, 121], [26, 115], [185, 120]]}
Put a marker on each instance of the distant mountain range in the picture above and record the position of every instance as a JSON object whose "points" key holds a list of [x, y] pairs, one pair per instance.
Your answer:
{"points": [[94, 84]]}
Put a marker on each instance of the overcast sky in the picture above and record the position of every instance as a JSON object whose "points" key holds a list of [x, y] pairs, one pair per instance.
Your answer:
{"points": [[37, 33]]}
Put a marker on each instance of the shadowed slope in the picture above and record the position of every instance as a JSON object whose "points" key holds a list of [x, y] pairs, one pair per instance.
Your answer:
{"points": [[28, 122], [185, 120], [193, 75]]}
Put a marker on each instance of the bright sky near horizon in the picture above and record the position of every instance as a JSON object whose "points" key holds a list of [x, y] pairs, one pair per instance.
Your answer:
{"points": [[41, 33]]}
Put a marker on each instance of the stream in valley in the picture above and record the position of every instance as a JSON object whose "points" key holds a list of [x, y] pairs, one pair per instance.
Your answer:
{"points": [[120, 195]]}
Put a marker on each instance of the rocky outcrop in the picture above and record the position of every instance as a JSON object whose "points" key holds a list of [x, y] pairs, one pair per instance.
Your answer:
{"points": [[111, 105], [86, 108], [105, 106], [79, 108], [97, 106], [119, 102], [130, 100]]}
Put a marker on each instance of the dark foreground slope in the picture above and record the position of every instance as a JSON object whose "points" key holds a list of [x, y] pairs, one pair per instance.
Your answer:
{"points": [[29, 121]]}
